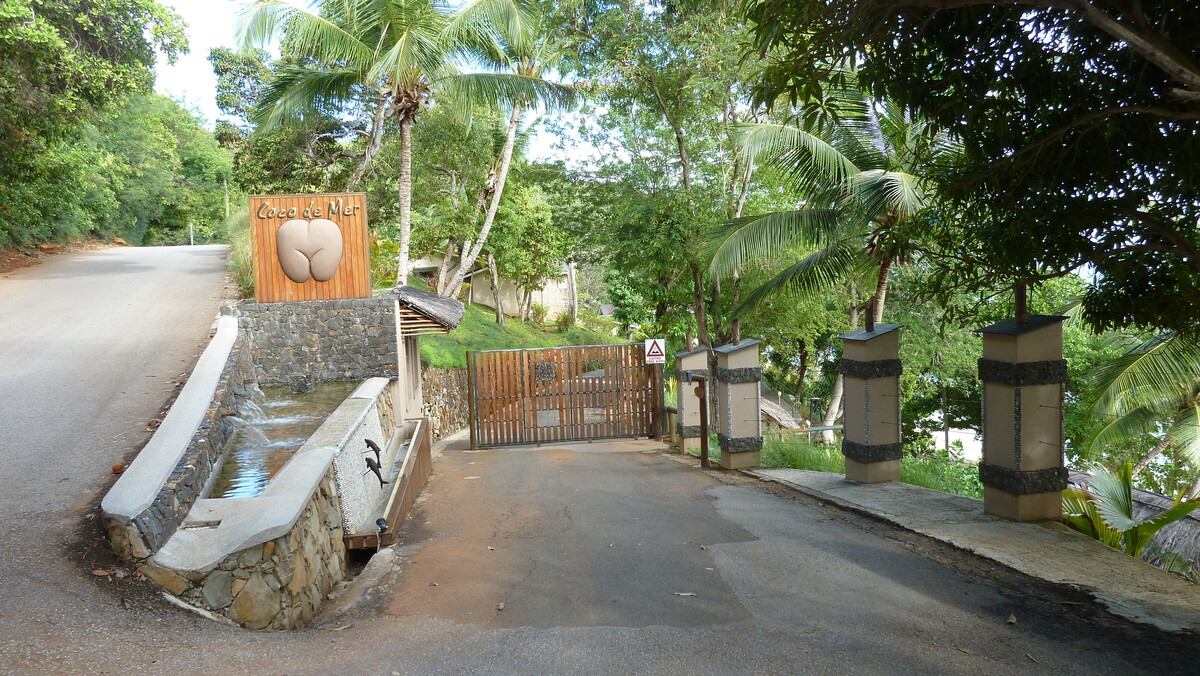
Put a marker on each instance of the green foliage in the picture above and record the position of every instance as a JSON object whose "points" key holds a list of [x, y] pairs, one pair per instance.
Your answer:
{"points": [[479, 331], [1066, 119], [794, 452], [237, 233], [937, 471], [564, 322], [383, 263], [537, 314], [1109, 496], [61, 64]]}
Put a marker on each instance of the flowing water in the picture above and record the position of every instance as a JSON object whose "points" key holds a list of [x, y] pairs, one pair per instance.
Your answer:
{"points": [[268, 432]]}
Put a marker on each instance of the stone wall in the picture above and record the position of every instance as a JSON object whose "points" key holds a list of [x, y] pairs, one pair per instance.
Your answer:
{"points": [[278, 584], [445, 405], [187, 482], [321, 341]]}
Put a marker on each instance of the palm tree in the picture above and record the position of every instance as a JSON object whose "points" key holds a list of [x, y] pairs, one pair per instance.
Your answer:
{"points": [[1104, 510], [860, 179], [1154, 388], [525, 53], [395, 53]]}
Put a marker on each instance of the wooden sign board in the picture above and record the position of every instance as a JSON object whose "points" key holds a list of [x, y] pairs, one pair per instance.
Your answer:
{"points": [[310, 247]]}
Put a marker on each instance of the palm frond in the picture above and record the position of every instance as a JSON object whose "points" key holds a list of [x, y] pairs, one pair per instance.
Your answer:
{"points": [[766, 235], [1133, 423], [819, 270], [1184, 432], [1156, 373], [312, 34], [299, 91], [807, 159], [510, 88]]}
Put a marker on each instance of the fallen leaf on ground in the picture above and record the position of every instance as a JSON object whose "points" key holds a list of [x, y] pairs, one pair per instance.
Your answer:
{"points": [[1032, 658], [433, 584], [1012, 618], [101, 573], [491, 549], [469, 477], [685, 593], [344, 626], [969, 652], [501, 606]]}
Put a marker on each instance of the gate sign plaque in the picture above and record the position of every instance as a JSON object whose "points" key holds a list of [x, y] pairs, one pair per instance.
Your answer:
{"points": [[656, 351], [309, 247]]}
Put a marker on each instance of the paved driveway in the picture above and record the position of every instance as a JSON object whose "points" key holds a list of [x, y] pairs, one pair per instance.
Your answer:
{"points": [[560, 559]]}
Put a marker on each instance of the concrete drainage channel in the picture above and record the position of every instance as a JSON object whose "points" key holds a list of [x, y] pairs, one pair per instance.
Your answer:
{"points": [[267, 561]]}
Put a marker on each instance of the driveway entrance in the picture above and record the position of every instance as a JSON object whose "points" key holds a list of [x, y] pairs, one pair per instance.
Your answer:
{"points": [[577, 393]]}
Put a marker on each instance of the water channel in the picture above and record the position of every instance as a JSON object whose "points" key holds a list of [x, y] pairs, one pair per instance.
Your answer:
{"points": [[269, 428]]}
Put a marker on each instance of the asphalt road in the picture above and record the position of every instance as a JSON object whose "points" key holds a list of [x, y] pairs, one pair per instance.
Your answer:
{"points": [[579, 559]]}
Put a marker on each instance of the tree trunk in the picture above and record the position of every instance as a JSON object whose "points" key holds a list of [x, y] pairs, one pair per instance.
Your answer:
{"points": [[405, 200], [491, 262], [881, 287], [573, 292], [835, 400], [1154, 452], [444, 268], [465, 265], [374, 143]]}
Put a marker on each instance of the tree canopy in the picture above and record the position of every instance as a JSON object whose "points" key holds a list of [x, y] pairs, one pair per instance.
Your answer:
{"points": [[1079, 121]]}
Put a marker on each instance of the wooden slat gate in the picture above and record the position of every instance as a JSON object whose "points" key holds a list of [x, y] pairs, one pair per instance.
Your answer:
{"points": [[540, 395]]}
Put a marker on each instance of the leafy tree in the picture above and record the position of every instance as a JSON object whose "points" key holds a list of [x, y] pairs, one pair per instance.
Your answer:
{"points": [[862, 180], [1079, 120], [528, 247], [389, 56], [60, 62], [1154, 388]]}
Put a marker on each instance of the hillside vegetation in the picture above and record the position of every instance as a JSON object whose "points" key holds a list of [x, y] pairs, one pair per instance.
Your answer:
{"points": [[479, 331]]}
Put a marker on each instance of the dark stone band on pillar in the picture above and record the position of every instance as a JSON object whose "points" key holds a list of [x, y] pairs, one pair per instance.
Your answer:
{"points": [[880, 368], [688, 431], [749, 374], [739, 444], [703, 373], [1021, 374], [1023, 483], [872, 452]]}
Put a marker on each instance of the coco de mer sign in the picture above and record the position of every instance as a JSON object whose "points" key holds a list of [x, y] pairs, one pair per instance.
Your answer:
{"points": [[309, 247]]}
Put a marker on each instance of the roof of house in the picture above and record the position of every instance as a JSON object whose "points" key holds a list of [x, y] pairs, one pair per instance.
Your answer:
{"points": [[428, 309]]}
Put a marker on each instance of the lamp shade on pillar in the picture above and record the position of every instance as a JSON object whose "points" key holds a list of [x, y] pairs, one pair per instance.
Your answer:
{"points": [[871, 371]]}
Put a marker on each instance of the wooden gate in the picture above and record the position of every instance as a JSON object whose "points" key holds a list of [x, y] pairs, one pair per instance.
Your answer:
{"points": [[541, 395]]}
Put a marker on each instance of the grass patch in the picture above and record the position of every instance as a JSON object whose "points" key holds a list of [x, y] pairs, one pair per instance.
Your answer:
{"points": [[479, 331], [938, 471]]}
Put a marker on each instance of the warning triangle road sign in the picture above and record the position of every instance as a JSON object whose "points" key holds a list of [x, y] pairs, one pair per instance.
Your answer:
{"points": [[656, 352]]}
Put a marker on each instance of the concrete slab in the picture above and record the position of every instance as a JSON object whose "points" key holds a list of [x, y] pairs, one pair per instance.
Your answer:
{"points": [[1045, 550]]}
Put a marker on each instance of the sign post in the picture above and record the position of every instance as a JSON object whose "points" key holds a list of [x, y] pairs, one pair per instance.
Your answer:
{"points": [[656, 354]]}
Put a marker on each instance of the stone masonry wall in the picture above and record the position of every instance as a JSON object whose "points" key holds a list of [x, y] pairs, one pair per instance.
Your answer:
{"points": [[322, 340], [279, 584], [153, 527], [445, 401]]}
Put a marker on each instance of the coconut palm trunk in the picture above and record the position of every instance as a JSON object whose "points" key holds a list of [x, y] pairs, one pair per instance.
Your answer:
{"points": [[468, 262], [405, 198]]}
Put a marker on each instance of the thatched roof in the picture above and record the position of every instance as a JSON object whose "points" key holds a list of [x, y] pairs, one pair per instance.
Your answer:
{"points": [[425, 311], [1181, 537], [777, 414]]}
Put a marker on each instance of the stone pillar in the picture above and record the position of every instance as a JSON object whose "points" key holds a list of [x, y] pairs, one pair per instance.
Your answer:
{"points": [[739, 423], [687, 422], [1023, 373], [871, 419]]}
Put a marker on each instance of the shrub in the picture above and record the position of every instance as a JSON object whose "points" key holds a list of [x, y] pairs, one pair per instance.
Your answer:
{"points": [[564, 322], [237, 233], [537, 313]]}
